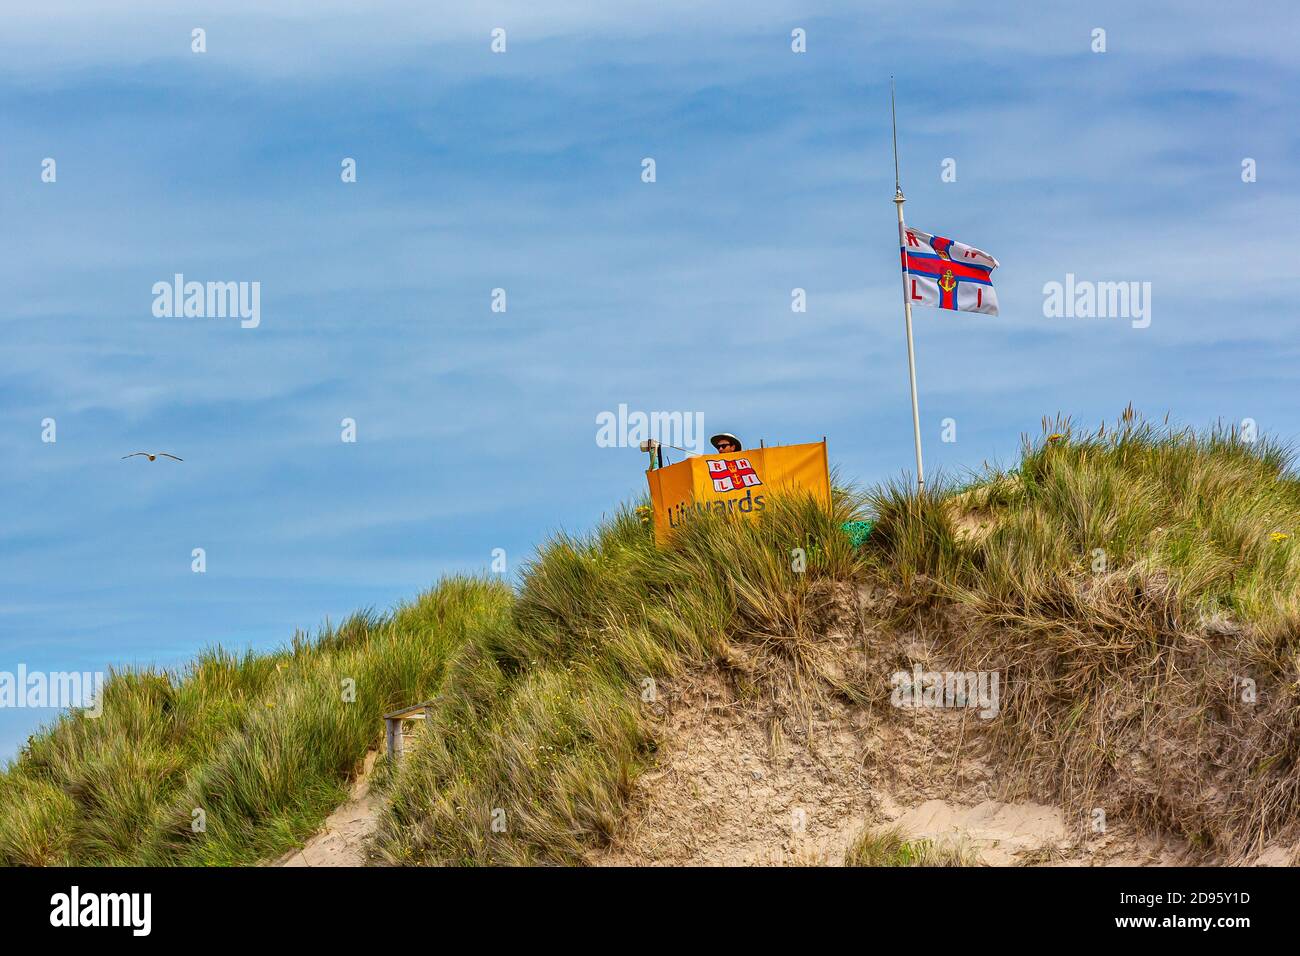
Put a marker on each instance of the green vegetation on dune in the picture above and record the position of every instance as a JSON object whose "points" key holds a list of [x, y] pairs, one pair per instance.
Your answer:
{"points": [[541, 726], [1139, 589], [890, 847], [538, 709], [1127, 583], [261, 744], [1215, 517]]}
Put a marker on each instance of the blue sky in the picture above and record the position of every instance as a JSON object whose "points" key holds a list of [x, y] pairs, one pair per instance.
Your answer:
{"points": [[522, 171]]}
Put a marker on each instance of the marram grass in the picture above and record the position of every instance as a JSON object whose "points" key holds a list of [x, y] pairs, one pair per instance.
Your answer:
{"points": [[1129, 584], [235, 759]]}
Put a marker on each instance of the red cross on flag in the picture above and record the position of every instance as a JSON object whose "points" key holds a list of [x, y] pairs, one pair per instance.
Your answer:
{"points": [[732, 474], [947, 275]]}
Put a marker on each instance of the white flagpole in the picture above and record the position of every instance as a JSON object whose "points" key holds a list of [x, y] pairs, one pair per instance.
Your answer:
{"points": [[907, 303]]}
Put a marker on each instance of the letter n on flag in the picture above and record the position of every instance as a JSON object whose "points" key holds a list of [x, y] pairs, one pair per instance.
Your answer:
{"points": [[947, 275]]}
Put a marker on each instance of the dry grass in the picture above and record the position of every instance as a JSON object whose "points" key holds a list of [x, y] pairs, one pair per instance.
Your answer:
{"points": [[1135, 585]]}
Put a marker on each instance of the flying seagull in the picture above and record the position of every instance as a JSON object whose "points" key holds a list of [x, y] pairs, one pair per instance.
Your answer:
{"points": [[161, 454]]}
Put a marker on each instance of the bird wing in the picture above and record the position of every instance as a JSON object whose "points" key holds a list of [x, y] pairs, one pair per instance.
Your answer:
{"points": [[163, 454], [134, 453]]}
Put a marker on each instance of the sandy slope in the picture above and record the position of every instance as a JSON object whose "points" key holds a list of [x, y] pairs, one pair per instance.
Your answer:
{"points": [[344, 840], [745, 781], [720, 797]]}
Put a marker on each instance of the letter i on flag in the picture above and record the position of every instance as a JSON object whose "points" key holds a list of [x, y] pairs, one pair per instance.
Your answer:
{"points": [[945, 274]]}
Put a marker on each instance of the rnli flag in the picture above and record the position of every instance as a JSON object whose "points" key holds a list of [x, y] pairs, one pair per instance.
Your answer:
{"points": [[947, 275], [732, 475]]}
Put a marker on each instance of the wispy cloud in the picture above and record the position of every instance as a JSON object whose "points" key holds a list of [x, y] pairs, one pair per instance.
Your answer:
{"points": [[522, 171]]}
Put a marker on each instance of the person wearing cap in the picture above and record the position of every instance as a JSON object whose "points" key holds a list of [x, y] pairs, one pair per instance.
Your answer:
{"points": [[725, 442]]}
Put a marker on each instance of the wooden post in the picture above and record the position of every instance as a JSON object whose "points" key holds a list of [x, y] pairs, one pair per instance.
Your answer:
{"points": [[393, 731], [393, 725]]}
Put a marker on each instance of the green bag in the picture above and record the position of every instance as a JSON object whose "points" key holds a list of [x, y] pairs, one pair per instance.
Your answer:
{"points": [[858, 531]]}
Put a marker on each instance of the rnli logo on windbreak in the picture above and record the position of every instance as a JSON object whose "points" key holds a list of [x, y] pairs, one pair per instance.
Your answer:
{"points": [[732, 474]]}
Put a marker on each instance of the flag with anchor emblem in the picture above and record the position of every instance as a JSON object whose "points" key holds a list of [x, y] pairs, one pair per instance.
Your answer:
{"points": [[947, 275]]}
